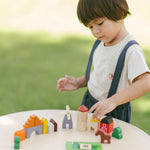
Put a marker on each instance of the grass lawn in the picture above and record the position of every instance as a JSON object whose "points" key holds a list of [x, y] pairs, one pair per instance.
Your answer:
{"points": [[31, 64]]}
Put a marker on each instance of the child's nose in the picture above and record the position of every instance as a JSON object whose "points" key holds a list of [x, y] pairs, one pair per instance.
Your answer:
{"points": [[96, 30]]}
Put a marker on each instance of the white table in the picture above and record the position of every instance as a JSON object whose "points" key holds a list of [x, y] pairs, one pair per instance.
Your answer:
{"points": [[133, 137]]}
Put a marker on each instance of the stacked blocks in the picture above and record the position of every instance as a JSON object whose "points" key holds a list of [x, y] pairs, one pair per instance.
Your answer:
{"points": [[33, 124]]}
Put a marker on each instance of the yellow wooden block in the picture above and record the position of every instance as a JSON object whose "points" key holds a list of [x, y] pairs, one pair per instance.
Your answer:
{"points": [[93, 120], [45, 125]]}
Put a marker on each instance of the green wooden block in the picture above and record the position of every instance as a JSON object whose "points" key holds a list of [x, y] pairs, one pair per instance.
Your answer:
{"points": [[117, 133]]}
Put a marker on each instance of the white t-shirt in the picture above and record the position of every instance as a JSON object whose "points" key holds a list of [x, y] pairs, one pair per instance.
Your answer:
{"points": [[104, 64]]}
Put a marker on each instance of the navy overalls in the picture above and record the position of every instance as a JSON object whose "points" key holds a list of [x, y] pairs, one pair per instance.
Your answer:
{"points": [[122, 112]]}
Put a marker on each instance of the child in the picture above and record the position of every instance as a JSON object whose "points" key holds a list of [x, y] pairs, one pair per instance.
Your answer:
{"points": [[105, 19]]}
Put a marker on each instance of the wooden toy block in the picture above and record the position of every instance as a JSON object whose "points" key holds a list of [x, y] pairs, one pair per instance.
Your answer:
{"points": [[69, 145], [82, 118], [55, 124], [117, 133], [93, 120], [17, 142], [45, 125], [104, 136], [83, 108], [37, 129], [107, 124], [83, 145], [50, 127], [86, 146], [38, 122], [21, 133], [32, 121], [92, 125], [66, 121]]}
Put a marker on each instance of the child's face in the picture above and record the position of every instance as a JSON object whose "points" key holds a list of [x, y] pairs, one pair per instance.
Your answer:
{"points": [[108, 31]]}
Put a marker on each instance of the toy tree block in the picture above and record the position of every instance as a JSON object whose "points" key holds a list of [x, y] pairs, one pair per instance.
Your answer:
{"points": [[55, 124], [117, 133], [107, 124], [21, 133], [45, 125], [82, 118], [17, 142]]}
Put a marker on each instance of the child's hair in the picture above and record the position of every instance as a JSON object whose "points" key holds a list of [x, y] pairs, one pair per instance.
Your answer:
{"points": [[88, 10]]}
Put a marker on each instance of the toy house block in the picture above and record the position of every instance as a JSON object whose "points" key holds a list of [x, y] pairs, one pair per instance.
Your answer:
{"points": [[50, 127], [82, 118], [37, 129], [107, 124], [55, 124], [67, 120], [45, 125], [17, 142], [21, 133], [117, 133]]}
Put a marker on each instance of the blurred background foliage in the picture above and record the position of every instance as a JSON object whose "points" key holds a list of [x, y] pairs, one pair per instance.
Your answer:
{"points": [[41, 41]]}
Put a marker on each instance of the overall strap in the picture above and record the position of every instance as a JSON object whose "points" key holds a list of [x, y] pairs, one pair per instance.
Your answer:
{"points": [[118, 70], [87, 73]]}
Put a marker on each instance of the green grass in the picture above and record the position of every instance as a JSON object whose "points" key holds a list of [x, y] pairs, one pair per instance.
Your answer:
{"points": [[31, 64]]}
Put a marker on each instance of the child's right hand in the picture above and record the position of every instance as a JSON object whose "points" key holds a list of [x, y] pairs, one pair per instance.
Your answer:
{"points": [[67, 83]]}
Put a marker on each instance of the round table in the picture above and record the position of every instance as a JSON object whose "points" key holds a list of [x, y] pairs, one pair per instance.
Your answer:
{"points": [[133, 137]]}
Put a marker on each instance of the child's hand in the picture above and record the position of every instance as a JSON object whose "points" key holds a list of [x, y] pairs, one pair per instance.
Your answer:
{"points": [[67, 83], [101, 108]]}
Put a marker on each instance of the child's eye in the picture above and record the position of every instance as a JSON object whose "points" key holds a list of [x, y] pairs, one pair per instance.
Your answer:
{"points": [[100, 23], [90, 27]]}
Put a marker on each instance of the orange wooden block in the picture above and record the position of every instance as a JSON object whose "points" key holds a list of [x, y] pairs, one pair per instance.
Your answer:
{"points": [[20, 133], [30, 122], [38, 122]]}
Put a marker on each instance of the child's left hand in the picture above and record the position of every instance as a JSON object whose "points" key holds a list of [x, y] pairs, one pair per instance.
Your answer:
{"points": [[102, 107]]}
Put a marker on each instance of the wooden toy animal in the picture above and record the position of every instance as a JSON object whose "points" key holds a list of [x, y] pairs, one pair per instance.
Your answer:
{"points": [[104, 136]]}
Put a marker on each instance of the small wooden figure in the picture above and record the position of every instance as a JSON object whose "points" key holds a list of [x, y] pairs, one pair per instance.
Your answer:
{"points": [[67, 119], [104, 136]]}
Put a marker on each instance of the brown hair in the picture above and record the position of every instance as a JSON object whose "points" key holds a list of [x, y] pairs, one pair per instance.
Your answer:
{"points": [[88, 10]]}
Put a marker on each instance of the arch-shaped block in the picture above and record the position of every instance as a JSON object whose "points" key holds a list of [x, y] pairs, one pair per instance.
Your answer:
{"points": [[37, 129]]}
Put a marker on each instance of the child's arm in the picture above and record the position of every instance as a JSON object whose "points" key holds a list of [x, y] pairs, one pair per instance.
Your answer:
{"points": [[139, 87], [69, 83]]}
